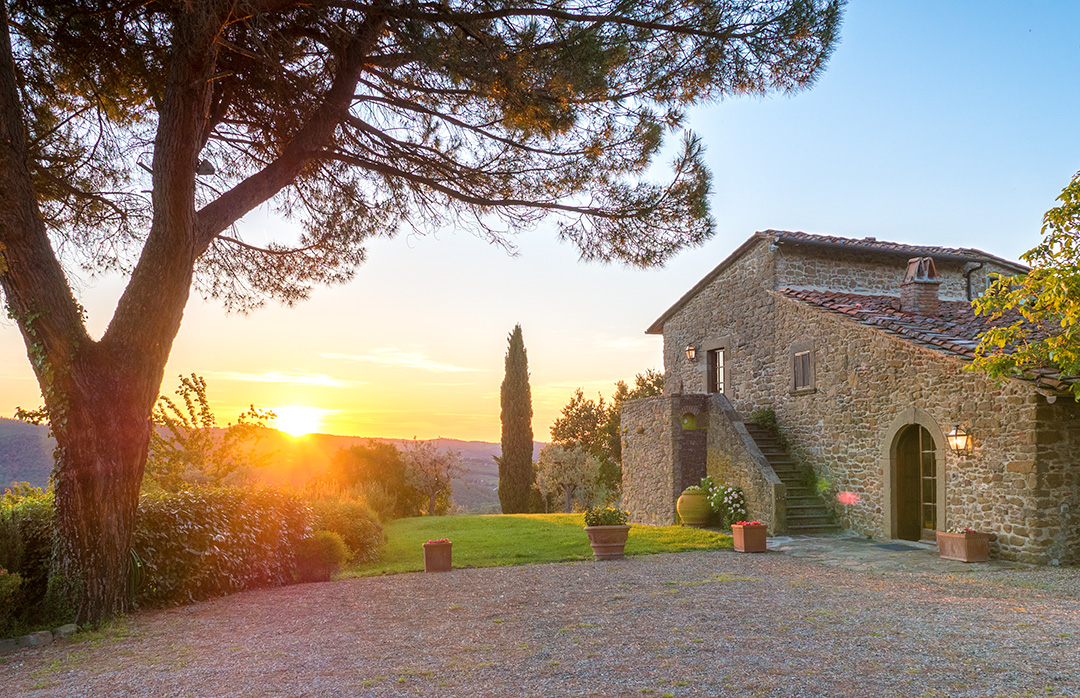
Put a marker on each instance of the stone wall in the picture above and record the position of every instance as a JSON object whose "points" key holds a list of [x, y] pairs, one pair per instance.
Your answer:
{"points": [[1013, 484], [648, 460], [735, 459], [664, 441], [1053, 480], [835, 269], [736, 307]]}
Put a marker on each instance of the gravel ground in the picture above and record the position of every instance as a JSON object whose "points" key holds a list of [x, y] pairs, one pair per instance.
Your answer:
{"points": [[692, 624]]}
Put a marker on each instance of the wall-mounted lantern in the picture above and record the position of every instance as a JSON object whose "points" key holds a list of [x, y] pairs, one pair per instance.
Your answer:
{"points": [[959, 440], [691, 352]]}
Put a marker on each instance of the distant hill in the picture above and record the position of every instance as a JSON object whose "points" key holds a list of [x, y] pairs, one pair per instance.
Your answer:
{"points": [[25, 453], [26, 456], [295, 460]]}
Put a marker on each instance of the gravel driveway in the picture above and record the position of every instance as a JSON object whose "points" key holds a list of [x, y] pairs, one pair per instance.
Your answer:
{"points": [[692, 624]]}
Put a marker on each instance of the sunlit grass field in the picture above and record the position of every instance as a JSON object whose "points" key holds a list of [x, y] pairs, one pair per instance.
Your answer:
{"points": [[517, 539]]}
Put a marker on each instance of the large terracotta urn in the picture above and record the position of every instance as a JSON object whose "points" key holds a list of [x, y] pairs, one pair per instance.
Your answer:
{"points": [[693, 507]]}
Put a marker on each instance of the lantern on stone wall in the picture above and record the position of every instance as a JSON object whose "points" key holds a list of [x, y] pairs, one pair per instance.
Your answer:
{"points": [[959, 440], [691, 352]]}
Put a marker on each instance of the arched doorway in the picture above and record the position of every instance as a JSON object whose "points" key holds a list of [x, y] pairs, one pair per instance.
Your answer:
{"points": [[916, 485]]}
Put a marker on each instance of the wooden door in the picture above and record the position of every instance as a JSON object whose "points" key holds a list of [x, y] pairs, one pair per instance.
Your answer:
{"points": [[916, 485]]}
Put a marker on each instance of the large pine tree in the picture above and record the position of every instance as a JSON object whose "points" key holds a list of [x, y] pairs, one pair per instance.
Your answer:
{"points": [[135, 135], [515, 465]]}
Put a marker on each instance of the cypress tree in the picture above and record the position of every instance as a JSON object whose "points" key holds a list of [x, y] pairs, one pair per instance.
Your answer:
{"points": [[515, 465]]}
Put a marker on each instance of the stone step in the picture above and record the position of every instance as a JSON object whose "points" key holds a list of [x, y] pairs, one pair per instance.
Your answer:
{"points": [[806, 510], [804, 501], [806, 520], [809, 508], [795, 530]]}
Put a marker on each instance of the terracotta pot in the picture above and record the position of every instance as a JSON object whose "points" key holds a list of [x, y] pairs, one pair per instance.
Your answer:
{"points": [[693, 508], [965, 547], [608, 542], [749, 539], [437, 557]]}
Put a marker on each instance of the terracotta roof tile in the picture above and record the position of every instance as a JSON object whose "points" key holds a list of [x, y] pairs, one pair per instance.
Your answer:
{"points": [[955, 330]]}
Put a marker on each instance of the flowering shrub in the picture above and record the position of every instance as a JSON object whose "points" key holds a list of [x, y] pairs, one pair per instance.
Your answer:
{"points": [[728, 504], [694, 488], [749, 523], [438, 541], [207, 542], [959, 529], [606, 516]]}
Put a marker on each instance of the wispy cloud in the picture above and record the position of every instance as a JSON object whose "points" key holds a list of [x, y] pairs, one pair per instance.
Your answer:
{"points": [[404, 359], [290, 378]]}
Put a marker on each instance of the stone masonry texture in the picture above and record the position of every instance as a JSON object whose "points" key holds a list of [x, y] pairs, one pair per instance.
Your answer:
{"points": [[1021, 482]]}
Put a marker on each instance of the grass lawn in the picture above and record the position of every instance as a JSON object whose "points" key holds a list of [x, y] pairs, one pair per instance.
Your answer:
{"points": [[517, 539]]}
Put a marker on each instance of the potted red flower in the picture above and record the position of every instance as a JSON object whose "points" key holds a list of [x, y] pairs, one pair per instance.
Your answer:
{"points": [[963, 544], [749, 536], [437, 555]]}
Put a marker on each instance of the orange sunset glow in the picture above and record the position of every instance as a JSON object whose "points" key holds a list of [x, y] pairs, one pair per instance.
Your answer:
{"points": [[298, 420]]}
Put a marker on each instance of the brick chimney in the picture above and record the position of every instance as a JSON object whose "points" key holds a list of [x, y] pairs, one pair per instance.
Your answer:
{"points": [[919, 292]]}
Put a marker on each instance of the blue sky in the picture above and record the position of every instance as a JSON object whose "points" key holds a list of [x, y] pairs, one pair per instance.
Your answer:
{"points": [[946, 123]]}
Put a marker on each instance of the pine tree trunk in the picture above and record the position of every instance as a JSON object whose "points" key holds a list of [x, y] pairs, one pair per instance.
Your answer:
{"points": [[101, 449]]}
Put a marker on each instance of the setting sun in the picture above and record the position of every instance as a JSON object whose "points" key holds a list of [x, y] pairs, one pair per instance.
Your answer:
{"points": [[298, 420]]}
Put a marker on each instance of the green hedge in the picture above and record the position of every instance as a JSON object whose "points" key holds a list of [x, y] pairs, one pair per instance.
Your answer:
{"points": [[356, 523], [26, 543], [319, 556], [207, 542], [189, 545]]}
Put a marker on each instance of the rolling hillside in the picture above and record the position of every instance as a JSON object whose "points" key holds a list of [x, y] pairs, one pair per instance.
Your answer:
{"points": [[25, 453], [26, 456]]}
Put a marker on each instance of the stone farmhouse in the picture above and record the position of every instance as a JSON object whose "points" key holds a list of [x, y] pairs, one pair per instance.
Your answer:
{"points": [[859, 349]]}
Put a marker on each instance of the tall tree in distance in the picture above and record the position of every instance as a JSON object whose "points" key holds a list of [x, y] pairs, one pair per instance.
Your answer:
{"points": [[515, 399], [433, 471], [594, 425], [134, 136]]}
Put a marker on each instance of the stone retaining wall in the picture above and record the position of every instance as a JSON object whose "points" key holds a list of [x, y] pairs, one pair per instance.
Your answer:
{"points": [[664, 444], [648, 484], [734, 459]]}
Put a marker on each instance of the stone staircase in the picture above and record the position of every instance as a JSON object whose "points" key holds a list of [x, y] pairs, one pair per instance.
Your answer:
{"points": [[806, 511]]}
